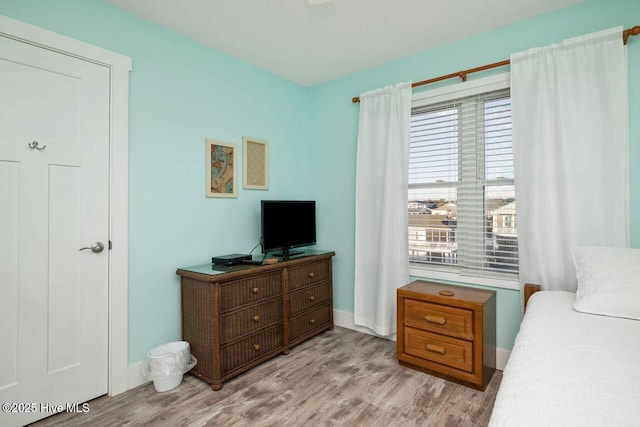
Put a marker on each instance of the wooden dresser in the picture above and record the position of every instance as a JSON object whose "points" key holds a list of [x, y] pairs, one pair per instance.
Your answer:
{"points": [[448, 331], [237, 317]]}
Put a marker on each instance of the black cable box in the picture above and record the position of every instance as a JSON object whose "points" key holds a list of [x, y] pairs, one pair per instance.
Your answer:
{"points": [[231, 259]]}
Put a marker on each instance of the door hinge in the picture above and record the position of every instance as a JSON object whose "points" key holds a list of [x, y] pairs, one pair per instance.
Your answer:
{"points": [[110, 245]]}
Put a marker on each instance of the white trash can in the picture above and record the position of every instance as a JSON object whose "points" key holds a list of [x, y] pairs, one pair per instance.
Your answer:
{"points": [[166, 364]]}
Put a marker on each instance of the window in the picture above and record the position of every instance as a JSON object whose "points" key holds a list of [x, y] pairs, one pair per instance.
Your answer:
{"points": [[462, 208]]}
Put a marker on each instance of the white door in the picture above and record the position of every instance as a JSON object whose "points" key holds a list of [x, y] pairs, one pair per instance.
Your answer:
{"points": [[54, 200]]}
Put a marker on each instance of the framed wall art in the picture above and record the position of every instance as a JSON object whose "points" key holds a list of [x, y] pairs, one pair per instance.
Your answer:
{"points": [[255, 164], [221, 169]]}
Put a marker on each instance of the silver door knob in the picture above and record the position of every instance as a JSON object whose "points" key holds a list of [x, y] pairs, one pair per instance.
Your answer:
{"points": [[97, 247]]}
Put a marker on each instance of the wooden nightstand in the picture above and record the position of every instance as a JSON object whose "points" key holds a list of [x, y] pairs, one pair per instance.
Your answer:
{"points": [[448, 331]]}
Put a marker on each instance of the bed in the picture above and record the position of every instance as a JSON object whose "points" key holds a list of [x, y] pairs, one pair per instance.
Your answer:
{"points": [[572, 368]]}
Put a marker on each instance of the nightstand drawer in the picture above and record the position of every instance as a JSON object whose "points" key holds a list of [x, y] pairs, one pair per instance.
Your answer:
{"points": [[439, 348], [442, 319]]}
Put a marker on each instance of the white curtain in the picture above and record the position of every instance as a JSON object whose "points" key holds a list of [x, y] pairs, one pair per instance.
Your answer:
{"points": [[570, 125], [382, 257]]}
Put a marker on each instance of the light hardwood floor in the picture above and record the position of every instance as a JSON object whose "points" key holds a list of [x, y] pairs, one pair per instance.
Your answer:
{"points": [[339, 378]]}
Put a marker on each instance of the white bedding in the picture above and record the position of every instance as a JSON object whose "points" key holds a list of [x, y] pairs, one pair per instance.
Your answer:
{"points": [[570, 369]]}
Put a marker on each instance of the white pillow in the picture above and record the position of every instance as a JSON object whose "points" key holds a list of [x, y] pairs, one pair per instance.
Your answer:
{"points": [[608, 281]]}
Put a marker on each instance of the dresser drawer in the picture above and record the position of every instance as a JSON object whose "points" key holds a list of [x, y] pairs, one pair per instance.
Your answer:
{"points": [[251, 348], [249, 319], [252, 289], [441, 349], [308, 274], [442, 319], [308, 322], [308, 297]]}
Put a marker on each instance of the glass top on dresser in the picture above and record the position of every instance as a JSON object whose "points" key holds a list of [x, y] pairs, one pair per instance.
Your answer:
{"points": [[215, 269]]}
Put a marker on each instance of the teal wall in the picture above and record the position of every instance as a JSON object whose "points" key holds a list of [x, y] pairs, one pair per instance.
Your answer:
{"points": [[183, 92], [335, 125]]}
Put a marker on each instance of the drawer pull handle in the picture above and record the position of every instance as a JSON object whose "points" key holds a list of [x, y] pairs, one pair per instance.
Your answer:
{"points": [[435, 319], [312, 321], [256, 318], [436, 349], [312, 298], [256, 347], [255, 290], [311, 274]]}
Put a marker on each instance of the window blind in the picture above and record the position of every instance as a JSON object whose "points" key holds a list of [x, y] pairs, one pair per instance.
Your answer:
{"points": [[462, 210]]}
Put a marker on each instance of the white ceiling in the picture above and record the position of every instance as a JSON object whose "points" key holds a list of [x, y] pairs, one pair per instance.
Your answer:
{"points": [[310, 44]]}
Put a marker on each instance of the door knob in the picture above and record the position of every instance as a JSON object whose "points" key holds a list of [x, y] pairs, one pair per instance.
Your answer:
{"points": [[97, 247]]}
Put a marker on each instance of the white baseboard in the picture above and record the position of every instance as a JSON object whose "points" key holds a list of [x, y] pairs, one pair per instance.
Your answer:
{"points": [[135, 376], [345, 320], [502, 356]]}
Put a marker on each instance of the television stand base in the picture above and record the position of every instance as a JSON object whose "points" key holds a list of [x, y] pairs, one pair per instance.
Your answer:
{"points": [[285, 255]]}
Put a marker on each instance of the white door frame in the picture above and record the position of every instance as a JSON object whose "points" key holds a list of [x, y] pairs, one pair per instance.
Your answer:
{"points": [[119, 66]]}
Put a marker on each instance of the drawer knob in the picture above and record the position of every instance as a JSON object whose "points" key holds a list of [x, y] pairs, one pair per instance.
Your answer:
{"points": [[312, 321], [436, 349], [255, 290], [312, 298], [256, 347], [311, 274], [447, 293], [256, 318], [435, 319]]}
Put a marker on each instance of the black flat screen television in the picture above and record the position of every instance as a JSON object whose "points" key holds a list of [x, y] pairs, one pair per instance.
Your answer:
{"points": [[287, 224]]}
